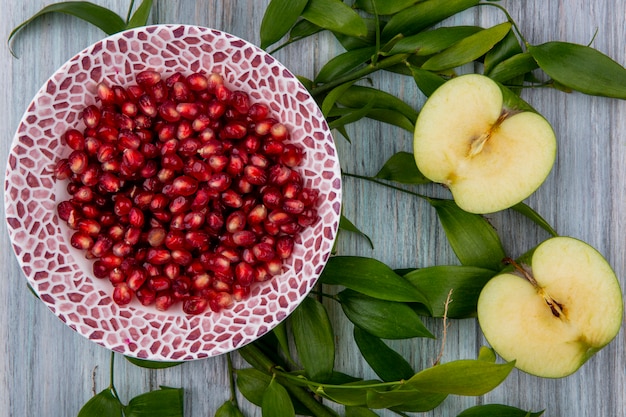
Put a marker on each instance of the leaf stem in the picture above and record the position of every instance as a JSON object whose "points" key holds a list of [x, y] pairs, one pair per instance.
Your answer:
{"points": [[255, 357], [231, 378], [112, 376], [509, 18], [130, 11], [360, 73], [376, 181]]}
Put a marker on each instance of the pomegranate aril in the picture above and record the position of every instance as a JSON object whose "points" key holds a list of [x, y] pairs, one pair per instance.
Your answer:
{"points": [[231, 198], [255, 175], [147, 105], [258, 112], [197, 239], [244, 273], [132, 235], [179, 90], [244, 238], [279, 132], [279, 175], [136, 218], [263, 252], [220, 301], [189, 147], [62, 170], [122, 294], [81, 240], [129, 109], [148, 78], [292, 155], [197, 82], [116, 276], [273, 147], [75, 139], [181, 287], [168, 112], [158, 256], [163, 301], [263, 127], [158, 92], [240, 292], [78, 161], [121, 249], [105, 94], [293, 206], [146, 296], [158, 283], [101, 246], [90, 227], [184, 185], [201, 281], [195, 305]]}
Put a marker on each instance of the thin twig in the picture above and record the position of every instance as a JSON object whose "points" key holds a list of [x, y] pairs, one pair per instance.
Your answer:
{"points": [[93, 380], [445, 327]]}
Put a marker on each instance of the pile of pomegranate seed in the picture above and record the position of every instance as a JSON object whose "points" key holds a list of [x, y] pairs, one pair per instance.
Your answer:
{"points": [[183, 191]]}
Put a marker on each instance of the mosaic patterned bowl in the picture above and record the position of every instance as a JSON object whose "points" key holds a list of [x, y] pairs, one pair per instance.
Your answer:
{"points": [[60, 274]]}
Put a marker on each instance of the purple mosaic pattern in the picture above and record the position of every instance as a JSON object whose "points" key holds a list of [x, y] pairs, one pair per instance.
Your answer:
{"points": [[60, 274]]}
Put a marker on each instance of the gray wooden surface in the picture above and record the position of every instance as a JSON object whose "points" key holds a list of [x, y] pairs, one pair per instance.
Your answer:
{"points": [[48, 370]]}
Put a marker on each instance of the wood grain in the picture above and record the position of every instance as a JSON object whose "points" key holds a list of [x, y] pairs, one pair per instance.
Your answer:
{"points": [[48, 370]]}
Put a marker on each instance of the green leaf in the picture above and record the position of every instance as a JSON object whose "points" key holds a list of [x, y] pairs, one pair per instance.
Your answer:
{"points": [[497, 410], [276, 401], [350, 394], [331, 98], [252, 383], [352, 411], [404, 400], [527, 211], [280, 332], [370, 277], [314, 339], [336, 16], [512, 67], [140, 17], [466, 282], [424, 14], [503, 50], [228, 409], [487, 354], [391, 117], [388, 364], [401, 168], [383, 7], [426, 81], [99, 16], [350, 117], [468, 49], [581, 68], [356, 42], [432, 41], [347, 225], [473, 240], [302, 29], [343, 63], [461, 377], [143, 363], [104, 404], [166, 402], [359, 96], [279, 17], [382, 318]]}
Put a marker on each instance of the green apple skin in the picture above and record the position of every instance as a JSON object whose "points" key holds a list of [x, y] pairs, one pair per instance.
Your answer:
{"points": [[491, 154], [518, 323]]}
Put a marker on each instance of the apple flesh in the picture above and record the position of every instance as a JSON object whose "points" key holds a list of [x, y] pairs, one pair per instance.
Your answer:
{"points": [[551, 316], [489, 148]]}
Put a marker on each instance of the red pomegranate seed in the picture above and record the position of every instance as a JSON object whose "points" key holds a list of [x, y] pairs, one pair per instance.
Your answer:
{"points": [[293, 206], [78, 162], [167, 111], [220, 301], [184, 185], [136, 277], [279, 132], [219, 182], [122, 294], [182, 257], [197, 82], [181, 287], [75, 139], [158, 283], [195, 305], [147, 105], [244, 273], [241, 292], [132, 235], [263, 127], [158, 256], [279, 175], [284, 247], [258, 111], [272, 198], [81, 240], [146, 296], [116, 276], [255, 175], [101, 246], [263, 252], [136, 217], [148, 78], [180, 90], [121, 249], [105, 94], [158, 91], [90, 227], [231, 198], [244, 238]]}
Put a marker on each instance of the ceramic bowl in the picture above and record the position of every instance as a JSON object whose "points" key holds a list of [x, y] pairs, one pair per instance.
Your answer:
{"points": [[60, 274]]}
